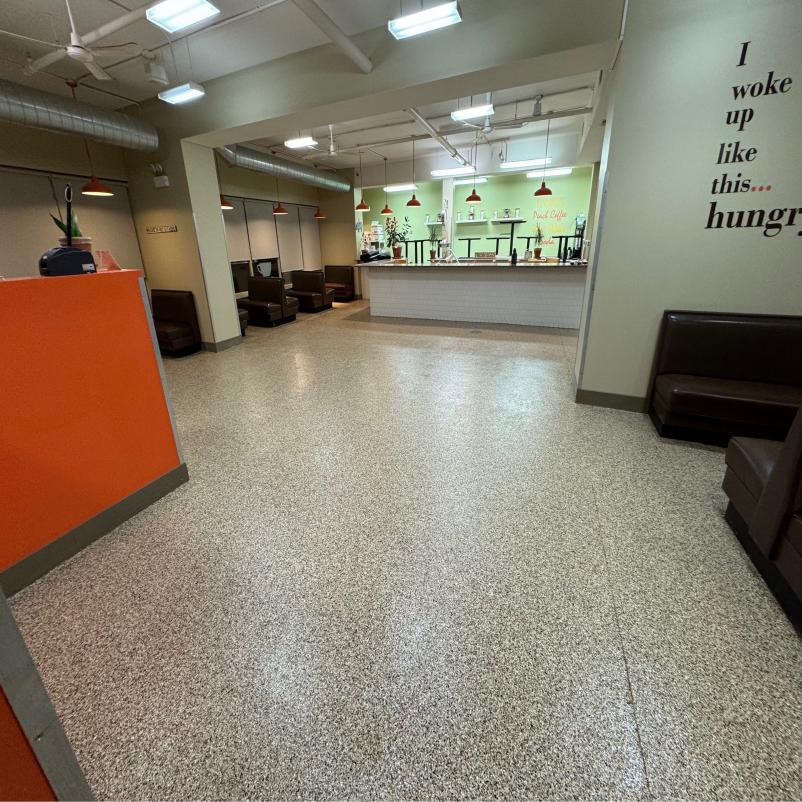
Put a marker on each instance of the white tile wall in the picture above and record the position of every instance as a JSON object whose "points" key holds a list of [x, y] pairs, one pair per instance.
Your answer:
{"points": [[524, 296]]}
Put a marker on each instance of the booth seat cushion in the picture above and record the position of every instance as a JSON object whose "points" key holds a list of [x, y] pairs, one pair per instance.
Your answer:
{"points": [[727, 399], [260, 308], [752, 460], [168, 332]]}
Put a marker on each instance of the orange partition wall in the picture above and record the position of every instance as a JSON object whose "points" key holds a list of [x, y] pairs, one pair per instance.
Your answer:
{"points": [[21, 776], [84, 421]]}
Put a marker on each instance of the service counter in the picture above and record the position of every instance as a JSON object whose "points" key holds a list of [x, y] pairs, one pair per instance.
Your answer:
{"points": [[88, 437], [526, 294]]}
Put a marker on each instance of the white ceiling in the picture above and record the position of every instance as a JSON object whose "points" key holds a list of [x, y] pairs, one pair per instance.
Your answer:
{"points": [[237, 38], [390, 135]]}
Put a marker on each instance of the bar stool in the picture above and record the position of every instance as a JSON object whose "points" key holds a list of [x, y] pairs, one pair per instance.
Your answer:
{"points": [[497, 240], [469, 240], [528, 240]]}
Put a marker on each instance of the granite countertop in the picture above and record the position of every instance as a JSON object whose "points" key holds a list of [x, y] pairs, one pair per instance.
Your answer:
{"points": [[487, 265]]}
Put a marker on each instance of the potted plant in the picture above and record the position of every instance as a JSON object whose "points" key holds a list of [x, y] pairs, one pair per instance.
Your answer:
{"points": [[78, 239], [435, 235], [538, 238], [396, 233]]}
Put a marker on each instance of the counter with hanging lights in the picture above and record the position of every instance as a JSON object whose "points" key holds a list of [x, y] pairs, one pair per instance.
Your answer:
{"points": [[542, 293]]}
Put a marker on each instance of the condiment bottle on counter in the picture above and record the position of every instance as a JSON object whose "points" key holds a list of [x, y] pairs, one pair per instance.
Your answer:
{"points": [[514, 259]]}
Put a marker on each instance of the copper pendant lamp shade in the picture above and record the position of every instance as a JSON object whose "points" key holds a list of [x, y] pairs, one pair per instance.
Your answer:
{"points": [[225, 203], [96, 188], [319, 215], [474, 197], [386, 211], [279, 209], [544, 190], [413, 202], [361, 206]]}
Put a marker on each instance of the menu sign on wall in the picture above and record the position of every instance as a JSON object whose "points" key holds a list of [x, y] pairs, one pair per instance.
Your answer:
{"points": [[740, 158]]}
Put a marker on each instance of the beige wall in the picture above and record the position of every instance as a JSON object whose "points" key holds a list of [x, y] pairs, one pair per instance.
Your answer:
{"points": [[261, 186], [337, 237], [673, 88], [21, 146]]}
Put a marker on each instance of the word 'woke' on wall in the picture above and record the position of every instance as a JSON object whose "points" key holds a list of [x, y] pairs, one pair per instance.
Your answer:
{"points": [[738, 156]]}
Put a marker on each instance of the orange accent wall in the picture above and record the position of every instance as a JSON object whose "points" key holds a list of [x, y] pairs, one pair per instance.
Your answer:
{"points": [[83, 418], [21, 776]]}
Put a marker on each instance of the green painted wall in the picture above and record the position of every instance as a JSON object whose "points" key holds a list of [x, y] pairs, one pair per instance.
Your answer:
{"points": [[556, 212], [429, 193]]}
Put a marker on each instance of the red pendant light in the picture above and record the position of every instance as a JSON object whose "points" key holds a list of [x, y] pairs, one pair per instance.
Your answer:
{"points": [[361, 206], [225, 203], [474, 197], [96, 188], [544, 190], [386, 211], [413, 202], [93, 186], [319, 215], [278, 209]]}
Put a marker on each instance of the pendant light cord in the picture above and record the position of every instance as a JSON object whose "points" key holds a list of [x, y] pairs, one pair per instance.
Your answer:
{"points": [[72, 86], [546, 157]]}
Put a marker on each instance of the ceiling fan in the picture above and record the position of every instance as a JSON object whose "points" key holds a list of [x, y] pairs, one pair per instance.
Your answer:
{"points": [[77, 51]]}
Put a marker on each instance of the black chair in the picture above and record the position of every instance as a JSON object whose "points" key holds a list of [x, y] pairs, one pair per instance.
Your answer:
{"points": [[176, 322]]}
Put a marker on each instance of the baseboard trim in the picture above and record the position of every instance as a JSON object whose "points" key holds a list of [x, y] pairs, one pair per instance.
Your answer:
{"points": [[36, 565], [628, 403], [223, 345]]}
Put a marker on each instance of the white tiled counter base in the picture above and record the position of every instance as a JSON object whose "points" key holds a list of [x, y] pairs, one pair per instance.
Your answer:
{"points": [[523, 296]]}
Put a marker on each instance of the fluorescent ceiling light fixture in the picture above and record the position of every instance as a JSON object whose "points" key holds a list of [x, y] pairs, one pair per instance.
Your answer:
{"points": [[449, 171], [401, 188], [175, 15], [482, 179], [550, 172], [429, 19], [185, 93], [473, 112], [526, 163], [300, 142]]}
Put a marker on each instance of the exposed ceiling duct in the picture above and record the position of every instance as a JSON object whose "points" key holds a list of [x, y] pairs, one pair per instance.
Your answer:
{"points": [[25, 106], [281, 168]]}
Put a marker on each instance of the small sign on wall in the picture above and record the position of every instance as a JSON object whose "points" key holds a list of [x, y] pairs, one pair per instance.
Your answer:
{"points": [[171, 229]]}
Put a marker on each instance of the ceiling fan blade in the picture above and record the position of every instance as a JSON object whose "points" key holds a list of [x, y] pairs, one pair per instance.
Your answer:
{"points": [[45, 61], [31, 39], [113, 51], [98, 71]]}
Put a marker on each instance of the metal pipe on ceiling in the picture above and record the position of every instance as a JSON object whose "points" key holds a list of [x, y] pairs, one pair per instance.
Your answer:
{"points": [[337, 35], [250, 159], [25, 106], [435, 135]]}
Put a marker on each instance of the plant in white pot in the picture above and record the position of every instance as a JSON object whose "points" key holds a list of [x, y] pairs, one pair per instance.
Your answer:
{"points": [[78, 239]]}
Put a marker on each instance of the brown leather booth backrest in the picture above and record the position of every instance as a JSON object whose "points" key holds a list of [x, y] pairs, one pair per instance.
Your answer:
{"points": [[175, 305], [309, 281], [759, 348], [782, 496], [340, 274], [269, 289]]}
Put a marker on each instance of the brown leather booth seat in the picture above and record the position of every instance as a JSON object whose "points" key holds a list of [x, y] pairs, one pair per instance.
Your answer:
{"points": [[718, 375], [175, 320], [243, 320], [340, 279], [267, 303], [309, 287], [763, 482]]}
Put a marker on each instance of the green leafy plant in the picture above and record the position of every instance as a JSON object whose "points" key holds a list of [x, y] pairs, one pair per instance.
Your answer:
{"points": [[75, 228], [538, 238], [435, 232], [396, 232]]}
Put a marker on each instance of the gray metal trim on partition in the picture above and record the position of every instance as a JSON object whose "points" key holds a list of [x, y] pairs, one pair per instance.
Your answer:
{"points": [[34, 711], [223, 345], [154, 340], [36, 565], [628, 403]]}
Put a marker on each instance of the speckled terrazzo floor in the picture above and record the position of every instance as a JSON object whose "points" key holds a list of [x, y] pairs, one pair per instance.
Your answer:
{"points": [[407, 565]]}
